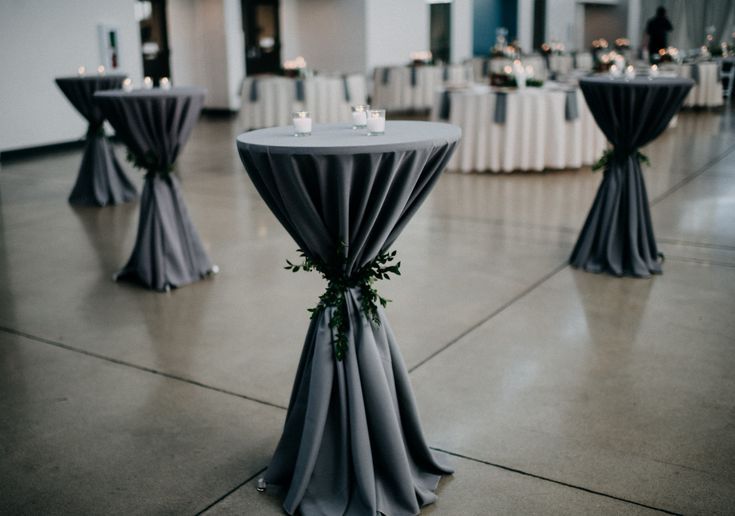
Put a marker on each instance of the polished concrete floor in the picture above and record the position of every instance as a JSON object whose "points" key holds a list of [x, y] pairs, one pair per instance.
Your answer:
{"points": [[550, 390]]}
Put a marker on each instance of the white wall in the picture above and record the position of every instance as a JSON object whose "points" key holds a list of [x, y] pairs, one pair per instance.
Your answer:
{"points": [[207, 48], [462, 22], [329, 34], [44, 39], [395, 28], [561, 16], [525, 23]]}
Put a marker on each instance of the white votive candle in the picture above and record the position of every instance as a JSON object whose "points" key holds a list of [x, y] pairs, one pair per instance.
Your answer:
{"points": [[614, 70], [127, 84], [376, 122], [164, 83], [101, 70], [147, 83], [359, 116], [654, 71], [629, 72], [81, 71], [302, 123]]}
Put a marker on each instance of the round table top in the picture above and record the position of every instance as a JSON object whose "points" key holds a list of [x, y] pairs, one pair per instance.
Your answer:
{"points": [[93, 77], [141, 93], [342, 139], [637, 82]]}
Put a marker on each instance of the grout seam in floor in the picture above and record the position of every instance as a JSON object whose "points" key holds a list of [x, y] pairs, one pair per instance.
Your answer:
{"points": [[495, 312], [553, 481], [688, 179], [700, 261], [117, 361], [228, 493]]}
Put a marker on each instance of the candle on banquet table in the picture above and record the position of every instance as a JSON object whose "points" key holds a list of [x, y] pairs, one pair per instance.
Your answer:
{"points": [[302, 123], [101, 69], [127, 84], [376, 122], [614, 70], [507, 70], [147, 83], [81, 71], [520, 73], [359, 116], [654, 70], [164, 83], [629, 72]]}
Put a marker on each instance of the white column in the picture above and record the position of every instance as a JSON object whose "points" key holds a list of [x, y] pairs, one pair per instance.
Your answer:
{"points": [[634, 23], [525, 24]]}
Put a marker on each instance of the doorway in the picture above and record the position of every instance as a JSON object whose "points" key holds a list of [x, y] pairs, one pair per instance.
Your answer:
{"points": [[262, 36], [440, 31], [151, 16]]}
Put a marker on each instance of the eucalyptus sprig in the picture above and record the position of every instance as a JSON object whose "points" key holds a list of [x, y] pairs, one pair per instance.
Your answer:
{"points": [[338, 283], [148, 163], [608, 154]]}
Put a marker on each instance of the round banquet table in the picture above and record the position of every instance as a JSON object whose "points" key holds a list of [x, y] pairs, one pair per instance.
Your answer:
{"points": [[530, 129], [617, 237], [707, 91], [270, 100], [352, 441], [411, 88], [154, 125], [101, 180]]}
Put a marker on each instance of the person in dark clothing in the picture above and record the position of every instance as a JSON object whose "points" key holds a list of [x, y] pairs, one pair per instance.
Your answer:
{"points": [[656, 31]]}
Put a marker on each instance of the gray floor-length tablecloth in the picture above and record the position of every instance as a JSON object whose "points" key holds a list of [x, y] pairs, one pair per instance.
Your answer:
{"points": [[352, 441], [154, 125], [101, 180], [617, 237]]}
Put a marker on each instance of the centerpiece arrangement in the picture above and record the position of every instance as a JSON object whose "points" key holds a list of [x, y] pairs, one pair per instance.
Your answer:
{"points": [[516, 76]]}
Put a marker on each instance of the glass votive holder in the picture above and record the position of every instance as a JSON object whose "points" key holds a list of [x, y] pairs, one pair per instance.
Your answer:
{"points": [[654, 71], [376, 122], [629, 73], [101, 69], [127, 84], [81, 71], [302, 123], [164, 83], [359, 116], [147, 83]]}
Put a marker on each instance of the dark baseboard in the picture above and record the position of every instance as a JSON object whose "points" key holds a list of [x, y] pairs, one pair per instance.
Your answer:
{"points": [[219, 113], [39, 150]]}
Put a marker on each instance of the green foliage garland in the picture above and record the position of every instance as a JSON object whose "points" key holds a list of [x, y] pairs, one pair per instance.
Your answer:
{"points": [[149, 163], [607, 156], [338, 283]]}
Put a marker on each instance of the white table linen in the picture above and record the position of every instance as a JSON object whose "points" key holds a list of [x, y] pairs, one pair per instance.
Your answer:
{"points": [[324, 98], [398, 93], [708, 90], [534, 137]]}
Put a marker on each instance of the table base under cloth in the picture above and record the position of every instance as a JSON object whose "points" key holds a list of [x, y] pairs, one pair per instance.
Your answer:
{"points": [[101, 180], [168, 252], [535, 136]]}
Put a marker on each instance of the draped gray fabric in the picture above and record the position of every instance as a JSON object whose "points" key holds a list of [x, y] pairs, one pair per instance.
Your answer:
{"points": [[617, 236], [168, 252], [501, 106], [352, 441], [154, 125], [571, 109], [101, 180]]}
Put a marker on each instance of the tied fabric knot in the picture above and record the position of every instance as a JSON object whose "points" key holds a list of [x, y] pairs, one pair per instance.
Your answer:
{"points": [[95, 130], [571, 109], [299, 85], [149, 163], [445, 105], [254, 90], [695, 72], [346, 88], [501, 102], [339, 282]]}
